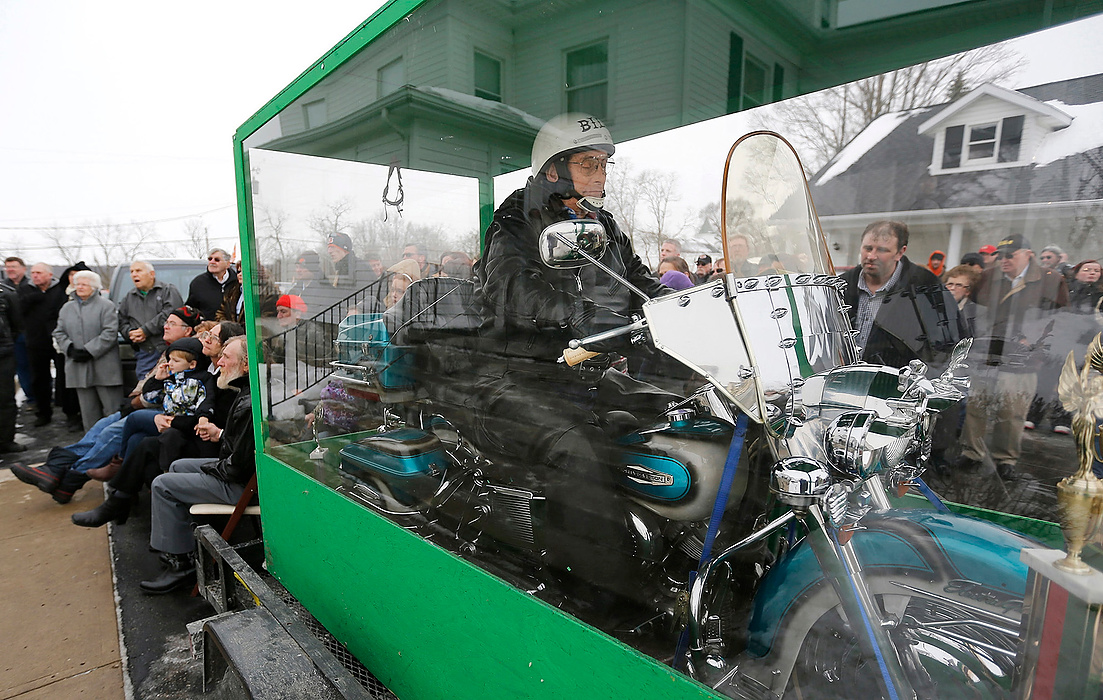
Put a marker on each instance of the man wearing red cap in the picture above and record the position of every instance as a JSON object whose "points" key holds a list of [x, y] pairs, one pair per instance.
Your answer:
{"points": [[988, 253]]}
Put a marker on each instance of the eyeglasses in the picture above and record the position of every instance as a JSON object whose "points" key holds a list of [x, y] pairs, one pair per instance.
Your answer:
{"points": [[407, 256], [957, 285], [590, 165], [991, 255], [169, 324], [1006, 256], [214, 259], [207, 335]]}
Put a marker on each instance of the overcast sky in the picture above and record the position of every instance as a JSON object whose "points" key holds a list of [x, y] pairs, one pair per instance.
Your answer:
{"points": [[125, 110]]}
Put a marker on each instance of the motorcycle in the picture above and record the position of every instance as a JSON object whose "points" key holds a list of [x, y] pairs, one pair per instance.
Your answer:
{"points": [[770, 557]]}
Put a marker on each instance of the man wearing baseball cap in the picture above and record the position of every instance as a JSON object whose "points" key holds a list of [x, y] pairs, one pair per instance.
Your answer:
{"points": [[1016, 300], [704, 268], [988, 253], [348, 276]]}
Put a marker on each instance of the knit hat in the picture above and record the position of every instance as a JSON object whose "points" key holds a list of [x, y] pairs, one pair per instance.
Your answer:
{"points": [[341, 240], [188, 314], [292, 301], [191, 346], [675, 280], [308, 259]]}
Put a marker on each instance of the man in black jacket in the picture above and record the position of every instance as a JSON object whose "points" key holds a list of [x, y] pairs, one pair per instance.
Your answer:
{"points": [[208, 289], [900, 310], [40, 303], [11, 326], [529, 404], [191, 481]]}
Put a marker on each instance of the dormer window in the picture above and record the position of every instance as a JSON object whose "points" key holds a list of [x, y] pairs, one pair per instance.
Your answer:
{"points": [[983, 144], [982, 141]]}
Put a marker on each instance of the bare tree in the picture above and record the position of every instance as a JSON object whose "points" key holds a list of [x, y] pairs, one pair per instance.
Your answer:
{"points": [[57, 238], [333, 219], [623, 198], [822, 123], [113, 244], [658, 190], [198, 241], [272, 239]]}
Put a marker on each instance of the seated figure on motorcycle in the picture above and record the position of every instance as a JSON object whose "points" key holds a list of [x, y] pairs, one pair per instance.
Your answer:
{"points": [[529, 406]]}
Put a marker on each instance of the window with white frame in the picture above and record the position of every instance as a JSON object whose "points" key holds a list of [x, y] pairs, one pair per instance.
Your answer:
{"points": [[966, 145]]}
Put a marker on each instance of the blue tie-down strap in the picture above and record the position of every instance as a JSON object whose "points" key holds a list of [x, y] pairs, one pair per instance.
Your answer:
{"points": [[726, 481]]}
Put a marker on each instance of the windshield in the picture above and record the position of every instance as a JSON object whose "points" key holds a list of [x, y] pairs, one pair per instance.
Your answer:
{"points": [[769, 223]]}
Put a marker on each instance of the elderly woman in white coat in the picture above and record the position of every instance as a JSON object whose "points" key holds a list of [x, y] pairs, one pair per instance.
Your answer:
{"points": [[87, 333]]}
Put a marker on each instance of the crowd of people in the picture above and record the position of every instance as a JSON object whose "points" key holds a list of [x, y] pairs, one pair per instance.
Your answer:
{"points": [[184, 427], [1025, 313]]}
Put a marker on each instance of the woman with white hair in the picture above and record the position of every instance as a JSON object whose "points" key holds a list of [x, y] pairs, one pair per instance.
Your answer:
{"points": [[87, 334]]}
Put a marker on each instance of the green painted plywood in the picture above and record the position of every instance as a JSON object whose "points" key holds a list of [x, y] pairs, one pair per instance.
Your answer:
{"points": [[430, 625]]}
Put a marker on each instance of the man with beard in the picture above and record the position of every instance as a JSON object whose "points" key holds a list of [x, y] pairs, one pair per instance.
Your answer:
{"points": [[190, 481]]}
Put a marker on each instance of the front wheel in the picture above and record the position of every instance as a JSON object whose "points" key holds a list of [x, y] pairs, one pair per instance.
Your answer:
{"points": [[959, 658]]}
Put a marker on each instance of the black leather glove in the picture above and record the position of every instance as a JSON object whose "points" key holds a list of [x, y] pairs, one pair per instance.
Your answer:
{"points": [[79, 354]]}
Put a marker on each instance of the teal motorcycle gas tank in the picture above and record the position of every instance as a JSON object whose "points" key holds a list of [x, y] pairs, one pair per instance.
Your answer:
{"points": [[674, 469]]}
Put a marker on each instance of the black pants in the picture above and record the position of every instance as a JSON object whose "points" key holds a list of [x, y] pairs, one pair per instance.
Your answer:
{"points": [[556, 425], [43, 384], [152, 457], [7, 397]]}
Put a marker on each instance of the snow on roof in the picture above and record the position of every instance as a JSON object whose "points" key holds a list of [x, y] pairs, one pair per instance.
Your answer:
{"points": [[485, 105], [1084, 134], [869, 137]]}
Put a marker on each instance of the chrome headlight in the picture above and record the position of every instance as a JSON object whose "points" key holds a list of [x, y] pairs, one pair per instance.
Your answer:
{"points": [[847, 443], [860, 445], [800, 481]]}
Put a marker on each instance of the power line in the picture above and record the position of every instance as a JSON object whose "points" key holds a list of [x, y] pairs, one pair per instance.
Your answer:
{"points": [[84, 227]]}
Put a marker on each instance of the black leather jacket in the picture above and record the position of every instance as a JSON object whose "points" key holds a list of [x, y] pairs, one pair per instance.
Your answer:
{"points": [[535, 309], [236, 459], [11, 321], [917, 320]]}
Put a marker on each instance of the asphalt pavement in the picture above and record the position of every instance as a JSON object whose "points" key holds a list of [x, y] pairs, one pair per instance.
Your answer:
{"points": [[66, 593], [58, 628]]}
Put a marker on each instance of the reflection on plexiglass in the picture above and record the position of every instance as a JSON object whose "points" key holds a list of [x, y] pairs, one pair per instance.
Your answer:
{"points": [[419, 370]]}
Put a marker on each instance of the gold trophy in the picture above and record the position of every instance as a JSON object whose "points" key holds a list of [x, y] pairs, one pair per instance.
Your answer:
{"points": [[1080, 496]]}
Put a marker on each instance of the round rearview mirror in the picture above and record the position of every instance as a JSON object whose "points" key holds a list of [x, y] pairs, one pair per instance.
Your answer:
{"points": [[566, 244]]}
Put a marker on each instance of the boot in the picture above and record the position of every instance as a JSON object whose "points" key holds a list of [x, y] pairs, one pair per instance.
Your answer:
{"points": [[116, 508], [71, 481], [43, 477], [107, 471], [179, 572]]}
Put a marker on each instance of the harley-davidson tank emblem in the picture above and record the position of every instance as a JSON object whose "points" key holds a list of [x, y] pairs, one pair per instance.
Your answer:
{"points": [[642, 475]]}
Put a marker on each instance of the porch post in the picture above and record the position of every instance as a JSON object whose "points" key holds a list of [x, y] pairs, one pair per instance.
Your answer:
{"points": [[953, 250]]}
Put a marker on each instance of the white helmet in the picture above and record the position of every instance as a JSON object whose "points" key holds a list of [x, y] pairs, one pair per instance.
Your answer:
{"points": [[569, 132]]}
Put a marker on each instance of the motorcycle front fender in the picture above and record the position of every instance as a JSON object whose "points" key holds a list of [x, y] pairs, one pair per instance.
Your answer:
{"points": [[903, 553]]}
